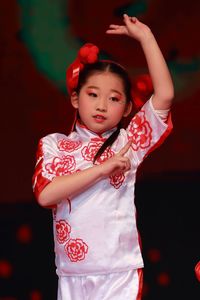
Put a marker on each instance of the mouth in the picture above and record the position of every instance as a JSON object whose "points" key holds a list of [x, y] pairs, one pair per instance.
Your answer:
{"points": [[99, 118]]}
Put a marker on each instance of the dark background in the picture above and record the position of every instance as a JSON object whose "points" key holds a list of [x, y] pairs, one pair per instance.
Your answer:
{"points": [[38, 40]]}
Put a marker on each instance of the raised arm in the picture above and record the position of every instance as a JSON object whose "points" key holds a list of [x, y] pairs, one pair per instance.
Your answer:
{"points": [[160, 75]]}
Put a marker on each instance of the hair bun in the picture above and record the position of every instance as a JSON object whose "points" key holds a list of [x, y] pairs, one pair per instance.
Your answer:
{"points": [[88, 54]]}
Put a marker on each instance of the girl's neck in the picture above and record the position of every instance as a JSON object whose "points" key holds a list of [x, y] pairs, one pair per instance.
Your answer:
{"points": [[103, 134]]}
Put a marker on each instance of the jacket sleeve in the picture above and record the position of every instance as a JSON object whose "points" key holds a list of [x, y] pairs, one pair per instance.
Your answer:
{"points": [[147, 131], [44, 171]]}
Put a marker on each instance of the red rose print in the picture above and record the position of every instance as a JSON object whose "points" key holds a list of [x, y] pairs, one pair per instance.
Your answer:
{"points": [[117, 180], [76, 249], [61, 166], [89, 151], [140, 132], [68, 145], [63, 230], [108, 153]]}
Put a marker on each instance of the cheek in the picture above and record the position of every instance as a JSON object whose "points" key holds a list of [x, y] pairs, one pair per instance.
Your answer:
{"points": [[118, 110], [84, 109], [83, 104]]}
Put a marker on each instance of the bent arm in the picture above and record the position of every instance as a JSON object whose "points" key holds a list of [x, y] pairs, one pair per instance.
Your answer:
{"points": [[67, 186], [162, 82]]}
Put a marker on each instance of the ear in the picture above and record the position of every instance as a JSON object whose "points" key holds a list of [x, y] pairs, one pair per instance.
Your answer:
{"points": [[74, 99], [128, 109]]}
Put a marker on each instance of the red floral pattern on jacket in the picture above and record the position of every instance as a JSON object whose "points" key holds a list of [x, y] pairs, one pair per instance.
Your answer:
{"points": [[117, 180], [89, 151], [68, 145], [108, 153], [61, 166], [76, 249], [63, 230], [140, 132]]}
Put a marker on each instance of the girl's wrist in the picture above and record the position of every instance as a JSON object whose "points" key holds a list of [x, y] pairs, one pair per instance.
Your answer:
{"points": [[100, 171], [147, 38]]}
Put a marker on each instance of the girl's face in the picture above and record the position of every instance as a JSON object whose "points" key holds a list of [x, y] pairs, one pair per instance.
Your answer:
{"points": [[101, 102]]}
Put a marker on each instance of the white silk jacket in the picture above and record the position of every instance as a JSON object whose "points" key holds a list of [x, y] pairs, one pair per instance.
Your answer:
{"points": [[96, 231]]}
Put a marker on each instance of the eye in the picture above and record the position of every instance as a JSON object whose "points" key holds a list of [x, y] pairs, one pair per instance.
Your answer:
{"points": [[114, 99], [91, 94]]}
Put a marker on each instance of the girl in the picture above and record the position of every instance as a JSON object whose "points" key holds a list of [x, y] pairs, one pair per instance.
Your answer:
{"points": [[88, 177]]}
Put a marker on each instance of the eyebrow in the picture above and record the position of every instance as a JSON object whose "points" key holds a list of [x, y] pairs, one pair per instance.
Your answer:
{"points": [[95, 87]]}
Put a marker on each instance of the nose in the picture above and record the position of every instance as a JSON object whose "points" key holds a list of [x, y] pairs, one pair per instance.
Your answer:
{"points": [[102, 105]]}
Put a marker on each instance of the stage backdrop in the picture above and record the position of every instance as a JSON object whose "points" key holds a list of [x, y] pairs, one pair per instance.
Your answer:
{"points": [[39, 39]]}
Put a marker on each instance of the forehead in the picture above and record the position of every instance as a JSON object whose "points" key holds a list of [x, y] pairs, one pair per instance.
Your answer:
{"points": [[106, 80]]}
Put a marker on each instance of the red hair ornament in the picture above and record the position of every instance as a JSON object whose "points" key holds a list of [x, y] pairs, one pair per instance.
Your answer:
{"points": [[88, 54]]}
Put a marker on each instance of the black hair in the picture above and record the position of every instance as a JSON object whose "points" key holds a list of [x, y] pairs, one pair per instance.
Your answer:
{"points": [[100, 67]]}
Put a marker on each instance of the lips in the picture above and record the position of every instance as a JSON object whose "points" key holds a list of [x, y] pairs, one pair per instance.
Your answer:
{"points": [[99, 117]]}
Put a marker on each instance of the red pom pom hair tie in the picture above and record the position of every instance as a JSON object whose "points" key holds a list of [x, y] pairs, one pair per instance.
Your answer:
{"points": [[88, 54]]}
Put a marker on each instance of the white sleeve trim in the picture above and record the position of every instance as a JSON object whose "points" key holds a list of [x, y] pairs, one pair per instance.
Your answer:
{"points": [[161, 113]]}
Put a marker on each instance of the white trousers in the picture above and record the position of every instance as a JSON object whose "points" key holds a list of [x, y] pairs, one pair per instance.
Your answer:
{"points": [[115, 286]]}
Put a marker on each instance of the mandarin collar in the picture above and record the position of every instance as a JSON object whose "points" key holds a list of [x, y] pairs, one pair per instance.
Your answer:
{"points": [[86, 133]]}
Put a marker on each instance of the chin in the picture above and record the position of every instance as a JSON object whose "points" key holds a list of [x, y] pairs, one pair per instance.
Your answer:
{"points": [[98, 130]]}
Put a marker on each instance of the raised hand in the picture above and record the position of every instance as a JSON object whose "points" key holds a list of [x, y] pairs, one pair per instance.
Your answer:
{"points": [[118, 163], [132, 27]]}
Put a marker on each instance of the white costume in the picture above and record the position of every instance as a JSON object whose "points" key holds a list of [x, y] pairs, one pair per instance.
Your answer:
{"points": [[95, 233]]}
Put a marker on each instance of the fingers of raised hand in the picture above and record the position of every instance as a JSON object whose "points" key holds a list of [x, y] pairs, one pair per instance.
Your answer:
{"points": [[113, 26], [133, 19], [116, 29], [128, 19], [116, 165], [127, 164], [125, 149], [124, 164]]}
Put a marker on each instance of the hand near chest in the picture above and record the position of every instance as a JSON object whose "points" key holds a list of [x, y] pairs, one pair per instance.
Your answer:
{"points": [[118, 163]]}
